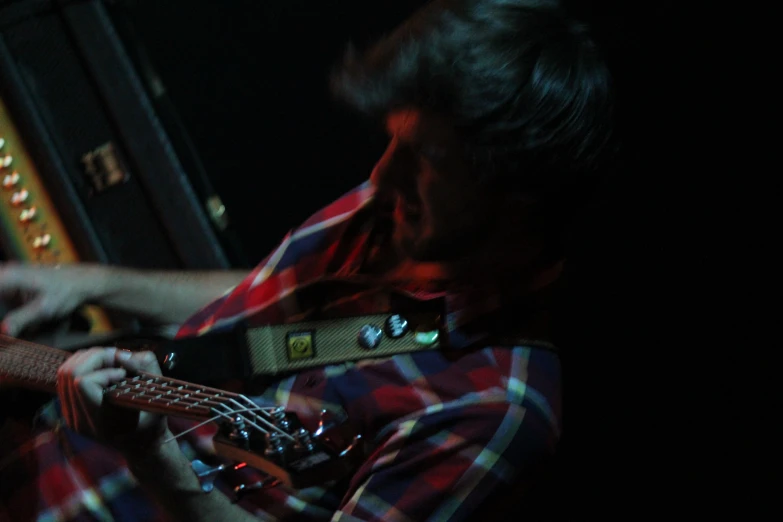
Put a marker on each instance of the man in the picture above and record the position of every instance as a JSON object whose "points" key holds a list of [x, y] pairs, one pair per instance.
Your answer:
{"points": [[498, 118]]}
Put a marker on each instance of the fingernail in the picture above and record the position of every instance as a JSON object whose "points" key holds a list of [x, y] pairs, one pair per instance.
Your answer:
{"points": [[124, 355]]}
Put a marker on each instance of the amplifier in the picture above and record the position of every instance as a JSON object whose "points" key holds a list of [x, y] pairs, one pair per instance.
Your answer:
{"points": [[88, 171], [31, 228]]}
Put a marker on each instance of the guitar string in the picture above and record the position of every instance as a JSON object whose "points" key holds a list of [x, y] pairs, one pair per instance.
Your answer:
{"points": [[46, 363], [197, 426], [179, 389], [148, 384], [213, 419], [264, 421], [163, 392], [47, 357], [230, 413], [221, 402]]}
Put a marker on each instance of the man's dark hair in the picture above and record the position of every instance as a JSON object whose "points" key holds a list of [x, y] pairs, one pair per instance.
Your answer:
{"points": [[522, 83]]}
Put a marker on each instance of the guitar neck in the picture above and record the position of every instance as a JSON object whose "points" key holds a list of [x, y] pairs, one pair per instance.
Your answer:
{"points": [[268, 438], [157, 394], [33, 366]]}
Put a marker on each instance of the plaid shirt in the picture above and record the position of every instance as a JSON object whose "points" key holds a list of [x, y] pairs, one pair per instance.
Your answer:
{"points": [[445, 429]]}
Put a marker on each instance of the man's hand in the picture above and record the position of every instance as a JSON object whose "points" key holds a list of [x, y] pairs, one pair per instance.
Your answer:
{"points": [[47, 293], [165, 297], [81, 381], [159, 467]]}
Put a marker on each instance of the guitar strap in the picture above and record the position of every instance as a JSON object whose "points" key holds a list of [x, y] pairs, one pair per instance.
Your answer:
{"points": [[409, 325], [399, 323]]}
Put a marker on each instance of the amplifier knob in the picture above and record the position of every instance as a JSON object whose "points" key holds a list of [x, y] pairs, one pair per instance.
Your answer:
{"points": [[27, 215], [5, 161], [10, 180], [42, 241], [20, 197]]}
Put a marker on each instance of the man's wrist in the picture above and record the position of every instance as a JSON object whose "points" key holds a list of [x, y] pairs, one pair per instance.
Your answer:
{"points": [[167, 475], [101, 283], [162, 466], [140, 448]]}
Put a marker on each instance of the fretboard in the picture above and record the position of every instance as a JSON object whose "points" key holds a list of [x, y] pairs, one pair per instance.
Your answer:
{"points": [[183, 399], [34, 366], [173, 397]]}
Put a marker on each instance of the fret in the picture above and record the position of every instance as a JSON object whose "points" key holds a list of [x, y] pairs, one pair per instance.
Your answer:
{"points": [[141, 397], [166, 396], [157, 384], [36, 366], [170, 396]]}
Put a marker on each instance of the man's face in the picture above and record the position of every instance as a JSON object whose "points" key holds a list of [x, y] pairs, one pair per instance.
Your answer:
{"points": [[440, 212]]}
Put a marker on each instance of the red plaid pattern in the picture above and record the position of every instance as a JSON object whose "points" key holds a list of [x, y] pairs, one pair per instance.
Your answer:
{"points": [[444, 430]]}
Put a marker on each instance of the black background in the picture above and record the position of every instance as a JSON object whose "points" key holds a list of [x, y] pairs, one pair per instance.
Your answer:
{"points": [[643, 426], [647, 407], [248, 80]]}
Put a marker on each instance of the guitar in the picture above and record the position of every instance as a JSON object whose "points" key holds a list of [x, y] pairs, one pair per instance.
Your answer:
{"points": [[269, 439]]}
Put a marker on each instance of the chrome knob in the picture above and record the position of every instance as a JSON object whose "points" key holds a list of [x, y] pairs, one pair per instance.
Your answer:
{"points": [[274, 445], [170, 361], [369, 336], [10, 180]]}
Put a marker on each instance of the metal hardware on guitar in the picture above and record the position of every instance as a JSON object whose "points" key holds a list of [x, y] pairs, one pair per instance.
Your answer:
{"points": [[303, 454], [238, 431], [243, 489], [280, 418], [269, 439], [206, 474]]}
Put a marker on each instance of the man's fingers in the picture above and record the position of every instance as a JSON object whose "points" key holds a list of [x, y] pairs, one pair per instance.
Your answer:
{"points": [[91, 386], [138, 361], [89, 361], [12, 277], [78, 365], [17, 320], [100, 378], [84, 394]]}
